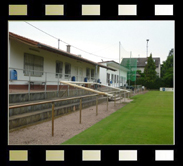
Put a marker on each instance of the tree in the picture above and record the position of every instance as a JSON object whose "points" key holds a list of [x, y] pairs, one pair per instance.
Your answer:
{"points": [[150, 70], [167, 70], [140, 73]]}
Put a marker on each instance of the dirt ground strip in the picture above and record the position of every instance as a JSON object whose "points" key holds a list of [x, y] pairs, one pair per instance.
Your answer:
{"points": [[65, 127]]}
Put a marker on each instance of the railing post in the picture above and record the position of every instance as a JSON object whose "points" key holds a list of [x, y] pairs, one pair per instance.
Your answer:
{"points": [[124, 96], [68, 90], [96, 105], [114, 99], [107, 102], [52, 119], [120, 95], [58, 86], [29, 85], [45, 85], [80, 108]]}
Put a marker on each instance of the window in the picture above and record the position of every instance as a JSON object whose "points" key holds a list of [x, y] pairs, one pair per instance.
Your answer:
{"points": [[88, 73], [117, 79], [92, 73], [59, 66], [34, 64], [67, 70]]}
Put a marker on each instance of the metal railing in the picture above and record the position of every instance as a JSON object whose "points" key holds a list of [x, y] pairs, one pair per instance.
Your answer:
{"points": [[34, 77], [58, 100]]}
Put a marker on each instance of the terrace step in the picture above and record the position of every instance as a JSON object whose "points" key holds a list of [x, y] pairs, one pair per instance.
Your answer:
{"points": [[113, 99], [30, 118], [33, 108]]}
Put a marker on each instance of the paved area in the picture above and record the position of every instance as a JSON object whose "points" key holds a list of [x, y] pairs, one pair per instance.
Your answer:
{"points": [[65, 127]]}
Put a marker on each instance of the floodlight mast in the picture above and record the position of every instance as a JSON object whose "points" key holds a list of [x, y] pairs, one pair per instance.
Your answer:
{"points": [[119, 64], [147, 47]]}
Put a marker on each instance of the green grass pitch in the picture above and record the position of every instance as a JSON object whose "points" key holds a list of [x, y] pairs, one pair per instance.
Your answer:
{"points": [[147, 120]]}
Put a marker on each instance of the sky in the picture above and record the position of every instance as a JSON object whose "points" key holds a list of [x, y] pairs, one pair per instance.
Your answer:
{"points": [[102, 40]]}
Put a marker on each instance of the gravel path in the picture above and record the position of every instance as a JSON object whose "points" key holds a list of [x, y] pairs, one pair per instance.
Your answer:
{"points": [[65, 127]]}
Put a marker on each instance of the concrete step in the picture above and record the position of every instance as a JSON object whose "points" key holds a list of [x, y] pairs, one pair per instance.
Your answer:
{"points": [[30, 118], [23, 97], [113, 99], [28, 109]]}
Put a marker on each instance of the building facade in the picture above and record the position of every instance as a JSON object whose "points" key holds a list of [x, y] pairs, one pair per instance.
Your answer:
{"points": [[141, 63], [32, 62], [113, 78]]}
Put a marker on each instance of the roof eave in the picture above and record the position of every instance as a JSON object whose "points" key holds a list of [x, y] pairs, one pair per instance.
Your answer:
{"points": [[49, 48], [42, 46]]}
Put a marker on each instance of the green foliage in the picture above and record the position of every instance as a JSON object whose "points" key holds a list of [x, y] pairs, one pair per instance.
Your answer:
{"points": [[150, 70], [167, 70], [149, 78], [140, 73], [155, 84]]}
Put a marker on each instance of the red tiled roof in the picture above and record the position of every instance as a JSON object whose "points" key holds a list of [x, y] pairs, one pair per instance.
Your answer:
{"points": [[23, 39], [53, 49]]}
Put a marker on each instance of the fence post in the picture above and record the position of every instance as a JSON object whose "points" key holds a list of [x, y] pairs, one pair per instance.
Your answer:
{"points": [[80, 108], [29, 86], [68, 91], [107, 102], [52, 119], [58, 86], [120, 95], [114, 99], [124, 96], [45, 85], [96, 105]]}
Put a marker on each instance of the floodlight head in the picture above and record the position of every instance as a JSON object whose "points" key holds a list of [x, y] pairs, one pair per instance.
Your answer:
{"points": [[147, 40]]}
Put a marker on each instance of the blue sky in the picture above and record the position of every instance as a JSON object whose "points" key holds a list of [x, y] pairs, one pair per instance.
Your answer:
{"points": [[102, 37]]}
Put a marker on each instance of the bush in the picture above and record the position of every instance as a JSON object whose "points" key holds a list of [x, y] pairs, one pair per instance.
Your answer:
{"points": [[150, 84], [154, 84]]}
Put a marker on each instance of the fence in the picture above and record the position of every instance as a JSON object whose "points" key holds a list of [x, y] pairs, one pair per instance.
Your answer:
{"points": [[44, 79], [53, 105]]}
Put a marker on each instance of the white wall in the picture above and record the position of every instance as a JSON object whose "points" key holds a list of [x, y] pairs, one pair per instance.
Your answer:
{"points": [[140, 68], [16, 60], [167, 89], [103, 76]]}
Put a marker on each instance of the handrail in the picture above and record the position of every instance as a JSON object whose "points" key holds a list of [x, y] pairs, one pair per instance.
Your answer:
{"points": [[114, 88], [75, 82], [91, 90], [50, 101]]}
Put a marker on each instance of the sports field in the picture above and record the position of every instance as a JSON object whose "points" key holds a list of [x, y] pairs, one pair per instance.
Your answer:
{"points": [[148, 119]]}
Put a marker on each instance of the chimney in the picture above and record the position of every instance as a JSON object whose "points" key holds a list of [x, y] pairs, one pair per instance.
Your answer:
{"points": [[68, 48]]}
